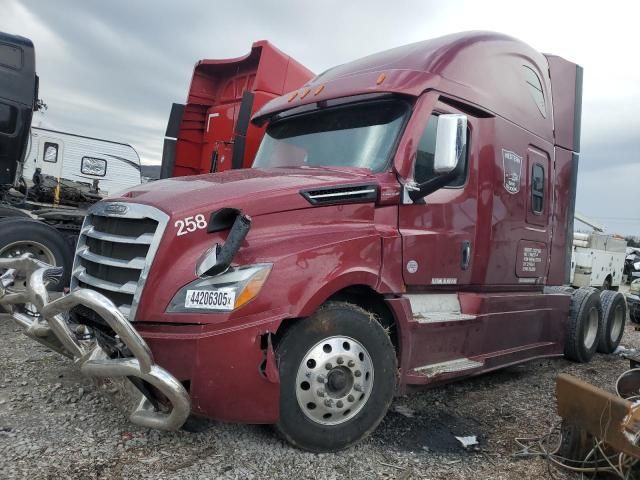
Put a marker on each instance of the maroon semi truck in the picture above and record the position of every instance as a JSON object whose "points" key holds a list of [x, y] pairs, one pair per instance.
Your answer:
{"points": [[407, 221]]}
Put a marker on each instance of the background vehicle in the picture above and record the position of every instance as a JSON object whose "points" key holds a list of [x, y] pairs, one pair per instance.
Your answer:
{"points": [[597, 259], [408, 220], [107, 166], [50, 178], [632, 264], [633, 301], [212, 132]]}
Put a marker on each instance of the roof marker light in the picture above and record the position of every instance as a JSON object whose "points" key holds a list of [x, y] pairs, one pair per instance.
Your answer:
{"points": [[380, 79], [318, 90], [292, 96], [305, 93]]}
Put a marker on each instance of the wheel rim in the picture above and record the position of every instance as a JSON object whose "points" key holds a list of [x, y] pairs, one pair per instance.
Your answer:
{"points": [[618, 323], [592, 329], [36, 249], [334, 380]]}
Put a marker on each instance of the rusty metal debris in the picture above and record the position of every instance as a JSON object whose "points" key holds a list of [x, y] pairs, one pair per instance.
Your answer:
{"points": [[600, 431], [606, 416]]}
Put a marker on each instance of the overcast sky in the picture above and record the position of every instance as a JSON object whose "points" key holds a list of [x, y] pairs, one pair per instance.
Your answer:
{"points": [[112, 68]]}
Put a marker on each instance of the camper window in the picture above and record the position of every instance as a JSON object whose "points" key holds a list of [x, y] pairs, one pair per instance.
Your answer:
{"points": [[93, 166], [50, 152]]}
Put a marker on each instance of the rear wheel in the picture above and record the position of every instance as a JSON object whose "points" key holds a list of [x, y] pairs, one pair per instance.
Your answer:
{"points": [[614, 314], [338, 374], [22, 235], [585, 325]]}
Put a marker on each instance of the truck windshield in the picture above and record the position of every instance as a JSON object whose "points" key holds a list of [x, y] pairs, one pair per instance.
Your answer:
{"points": [[361, 135]]}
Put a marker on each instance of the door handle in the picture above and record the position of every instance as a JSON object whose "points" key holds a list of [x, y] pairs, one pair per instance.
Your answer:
{"points": [[466, 254]]}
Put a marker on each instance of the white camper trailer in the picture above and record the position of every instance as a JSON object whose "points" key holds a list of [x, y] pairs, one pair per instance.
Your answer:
{"points": [[115, 166]]}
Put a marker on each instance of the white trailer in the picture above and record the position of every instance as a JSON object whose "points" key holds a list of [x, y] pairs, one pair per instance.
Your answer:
{"points": [[115, 166], [597, 259]]}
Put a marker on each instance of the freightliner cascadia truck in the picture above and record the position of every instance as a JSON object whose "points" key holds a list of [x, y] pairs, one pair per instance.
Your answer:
{"points": [[407, 221]]}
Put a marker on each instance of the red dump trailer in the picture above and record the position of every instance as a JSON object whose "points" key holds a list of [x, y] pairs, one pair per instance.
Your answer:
{"points": [[212, 132]]}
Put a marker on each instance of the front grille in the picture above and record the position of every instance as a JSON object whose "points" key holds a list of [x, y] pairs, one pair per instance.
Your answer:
{"points": [[115, 251]]}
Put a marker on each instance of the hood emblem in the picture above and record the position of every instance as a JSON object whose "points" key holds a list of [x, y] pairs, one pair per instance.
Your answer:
{"points": [[116, 208]]}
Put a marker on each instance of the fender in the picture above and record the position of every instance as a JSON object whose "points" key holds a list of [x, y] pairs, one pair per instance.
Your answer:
{"points": [[343, 280]]}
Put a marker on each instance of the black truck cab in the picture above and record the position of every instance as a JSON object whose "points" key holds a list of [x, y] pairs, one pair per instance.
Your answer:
{"points": [[18, 99]]}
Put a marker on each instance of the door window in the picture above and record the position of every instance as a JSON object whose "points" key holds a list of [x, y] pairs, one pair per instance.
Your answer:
{"points": [[426, 152], [50, 152], [537, 188]]}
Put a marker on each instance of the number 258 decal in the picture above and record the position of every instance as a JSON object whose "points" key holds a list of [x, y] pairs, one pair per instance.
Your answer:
{"points": [[190, 224]]}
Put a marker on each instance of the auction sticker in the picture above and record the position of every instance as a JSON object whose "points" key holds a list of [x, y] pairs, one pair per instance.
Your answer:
{"points": [[223, 299]]}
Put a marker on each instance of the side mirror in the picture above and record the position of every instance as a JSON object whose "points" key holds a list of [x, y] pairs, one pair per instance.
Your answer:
{"points": [[448, 160], [451, 140]]}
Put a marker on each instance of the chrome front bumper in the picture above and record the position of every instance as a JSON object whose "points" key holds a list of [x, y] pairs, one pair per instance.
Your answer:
{"points": [[47, 324]]}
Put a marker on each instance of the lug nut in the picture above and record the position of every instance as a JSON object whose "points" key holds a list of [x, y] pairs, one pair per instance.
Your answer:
{"points": [[321, 379], [357, 387], [351, 363], [320, 392], [328, 366], [339, 404], [340, 361], [351, 398], [357, 373], [328, 402]]}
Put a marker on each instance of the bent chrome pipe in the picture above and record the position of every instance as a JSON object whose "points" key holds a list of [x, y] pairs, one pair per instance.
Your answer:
{"points": [[52, 329]]}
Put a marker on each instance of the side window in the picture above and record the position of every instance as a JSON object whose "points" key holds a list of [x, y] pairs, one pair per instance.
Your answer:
{"points": [[537, 188], [50, 152], [535, 89], [426, 151], [93, 166]]}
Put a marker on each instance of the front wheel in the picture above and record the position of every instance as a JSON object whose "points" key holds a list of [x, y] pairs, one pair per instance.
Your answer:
{"points": [[338, 373]]}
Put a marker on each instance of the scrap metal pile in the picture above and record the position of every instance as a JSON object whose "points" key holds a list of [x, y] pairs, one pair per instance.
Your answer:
{"points": [[599, 432]]}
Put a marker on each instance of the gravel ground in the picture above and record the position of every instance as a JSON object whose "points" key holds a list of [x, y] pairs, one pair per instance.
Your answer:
{"points": [[55, 425]]}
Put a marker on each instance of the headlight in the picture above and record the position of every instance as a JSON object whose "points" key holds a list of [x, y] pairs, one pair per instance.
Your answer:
{"points": [[222, 293], [635, 287]]}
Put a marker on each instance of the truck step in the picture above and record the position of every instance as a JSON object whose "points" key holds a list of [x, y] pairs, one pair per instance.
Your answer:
{"points": [[450, 366], [436, 308], [437, 317]]}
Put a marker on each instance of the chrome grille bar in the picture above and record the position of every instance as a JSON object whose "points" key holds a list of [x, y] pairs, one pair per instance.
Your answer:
{"points": [[112, 259]]}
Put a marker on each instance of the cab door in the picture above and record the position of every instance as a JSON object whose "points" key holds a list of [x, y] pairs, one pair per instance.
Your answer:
{"points": [[438, 232]]}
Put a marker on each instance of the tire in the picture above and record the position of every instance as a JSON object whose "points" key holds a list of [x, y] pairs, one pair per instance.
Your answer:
{"points": [[634, 313], [335, 351], [7, 211], [585, 325], [47, 244], [614, 315]]}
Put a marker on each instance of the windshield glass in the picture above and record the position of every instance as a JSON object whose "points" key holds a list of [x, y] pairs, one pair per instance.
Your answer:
{"points": [[361, 135]]}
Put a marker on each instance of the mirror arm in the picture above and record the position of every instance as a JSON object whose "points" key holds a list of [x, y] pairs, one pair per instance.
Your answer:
{"points": [[435, 183], [430, 186]]}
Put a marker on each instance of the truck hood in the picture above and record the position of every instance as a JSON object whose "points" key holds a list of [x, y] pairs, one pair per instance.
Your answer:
{"points": [[255, 191]]}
